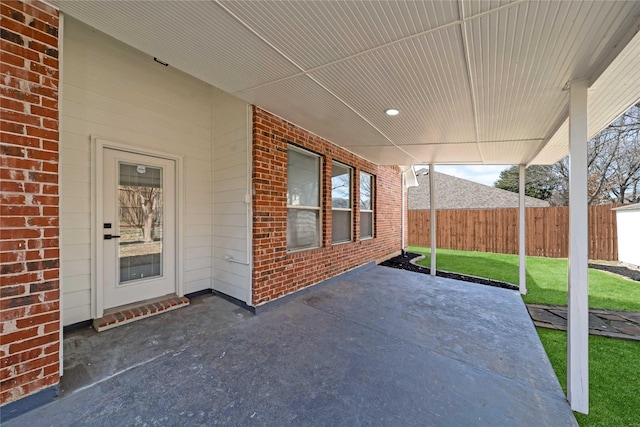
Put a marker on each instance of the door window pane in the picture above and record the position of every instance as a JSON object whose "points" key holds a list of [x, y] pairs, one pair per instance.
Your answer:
{"points": [[140, 222]]}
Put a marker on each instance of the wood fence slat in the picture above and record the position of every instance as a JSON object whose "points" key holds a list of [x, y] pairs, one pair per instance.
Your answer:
{"points": [[496, 230]]}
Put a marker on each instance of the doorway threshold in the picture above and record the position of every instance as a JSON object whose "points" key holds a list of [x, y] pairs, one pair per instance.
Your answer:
{"points": [[124, 314]]}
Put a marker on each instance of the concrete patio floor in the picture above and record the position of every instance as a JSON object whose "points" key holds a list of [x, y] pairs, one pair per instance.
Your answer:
{"points": [[376, 346]]}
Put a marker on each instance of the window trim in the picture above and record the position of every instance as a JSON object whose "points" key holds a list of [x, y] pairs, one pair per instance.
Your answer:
{"points": [[372, 210], [351, 203], [318, 208]]}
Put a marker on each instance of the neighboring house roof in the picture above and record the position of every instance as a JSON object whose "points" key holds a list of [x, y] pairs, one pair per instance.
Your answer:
{"points": [[634, 207], [458, 193]]}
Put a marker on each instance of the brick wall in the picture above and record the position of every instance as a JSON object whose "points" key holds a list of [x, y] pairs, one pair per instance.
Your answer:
{"points": [[277, 273], [29, 247]]}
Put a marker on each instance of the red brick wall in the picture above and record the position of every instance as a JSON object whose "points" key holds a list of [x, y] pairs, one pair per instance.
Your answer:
{"points": [[29, 247], [277, 273]]}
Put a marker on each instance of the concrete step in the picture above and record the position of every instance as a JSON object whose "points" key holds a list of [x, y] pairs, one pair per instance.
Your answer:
{"points": [[124, 314]]}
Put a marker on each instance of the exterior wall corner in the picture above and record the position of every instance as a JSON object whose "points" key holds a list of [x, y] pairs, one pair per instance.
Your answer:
{"points": [[29, 246]]}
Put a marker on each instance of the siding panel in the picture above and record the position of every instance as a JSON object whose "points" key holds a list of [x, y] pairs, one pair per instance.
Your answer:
{"points": [[231, 173], [116, 93]]}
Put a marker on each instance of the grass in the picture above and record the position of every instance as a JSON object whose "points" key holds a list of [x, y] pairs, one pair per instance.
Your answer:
{"points": [[546, 277], [614, 378], [614, 365]]}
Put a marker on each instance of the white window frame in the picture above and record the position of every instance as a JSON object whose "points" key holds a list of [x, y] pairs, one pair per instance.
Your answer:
{"points": [[350, 209], [308, 208], [371, 211]]}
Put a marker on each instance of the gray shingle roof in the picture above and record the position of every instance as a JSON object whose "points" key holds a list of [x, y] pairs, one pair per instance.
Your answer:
{"points": [[458, 193]]}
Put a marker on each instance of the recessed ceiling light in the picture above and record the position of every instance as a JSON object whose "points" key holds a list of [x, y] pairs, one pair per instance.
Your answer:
{"points": [[392, 112]]}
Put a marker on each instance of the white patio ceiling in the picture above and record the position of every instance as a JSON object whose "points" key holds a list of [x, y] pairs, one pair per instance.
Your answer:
{"points": [[476, 81]]}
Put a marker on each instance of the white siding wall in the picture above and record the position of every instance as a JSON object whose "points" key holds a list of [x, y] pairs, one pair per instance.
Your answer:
{"points": [[231, 196], [629, 235], [116, 93]]}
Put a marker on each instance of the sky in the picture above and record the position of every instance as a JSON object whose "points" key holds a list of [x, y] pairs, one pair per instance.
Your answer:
{"points": [[484, 174]]}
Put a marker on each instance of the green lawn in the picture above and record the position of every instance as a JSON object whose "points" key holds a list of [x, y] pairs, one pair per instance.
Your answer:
{"points": [[614, 365], [546, 277], [614, 378]]}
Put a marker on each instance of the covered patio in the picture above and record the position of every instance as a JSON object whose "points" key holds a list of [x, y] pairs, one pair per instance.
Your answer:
{"points": [[219, 91], [375, 346]]}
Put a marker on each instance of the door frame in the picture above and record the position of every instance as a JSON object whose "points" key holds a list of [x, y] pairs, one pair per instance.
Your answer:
{"points": [[98, 145]]}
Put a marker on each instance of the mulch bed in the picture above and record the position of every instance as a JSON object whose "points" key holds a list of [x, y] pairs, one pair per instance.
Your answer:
{"points": [[403, 262], [619, 270]]}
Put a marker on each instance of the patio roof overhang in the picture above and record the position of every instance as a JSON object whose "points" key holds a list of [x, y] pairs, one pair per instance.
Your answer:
{"points": [[475, 82]]}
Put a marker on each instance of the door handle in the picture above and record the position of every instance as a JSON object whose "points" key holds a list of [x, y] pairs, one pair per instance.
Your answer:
{"points": [[110, 236]]}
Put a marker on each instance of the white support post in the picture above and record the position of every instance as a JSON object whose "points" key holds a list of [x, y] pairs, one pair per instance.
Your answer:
{"points": [[522, 251], [578, 321], [432, 212], [402, 217]]}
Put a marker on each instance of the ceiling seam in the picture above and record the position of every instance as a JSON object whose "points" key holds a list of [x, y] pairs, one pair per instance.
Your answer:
{"points": [[304, 71], [548, 141], [308, 73], [510, 140], [494, 10], [467, 63], [255, 33], [496, 141], [465, 47], [600, 69], [355, 55], [361, 116]]}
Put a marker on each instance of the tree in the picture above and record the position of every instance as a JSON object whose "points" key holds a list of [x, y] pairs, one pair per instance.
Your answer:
{"points": [[540, 181], [622, 174], [139, 208], [613, 162]]}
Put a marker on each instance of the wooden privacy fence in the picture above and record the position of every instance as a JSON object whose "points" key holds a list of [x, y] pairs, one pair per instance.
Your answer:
{"points": [[496, 230]]}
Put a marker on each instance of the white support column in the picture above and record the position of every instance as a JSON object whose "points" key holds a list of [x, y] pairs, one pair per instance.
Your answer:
{"points": [[522, 251], [432, 209], [403, 217], [578, 321]]}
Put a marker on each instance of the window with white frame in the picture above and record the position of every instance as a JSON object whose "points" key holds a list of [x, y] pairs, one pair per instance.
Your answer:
{"points": [[303, 199], [341, 205], [366, 205]]}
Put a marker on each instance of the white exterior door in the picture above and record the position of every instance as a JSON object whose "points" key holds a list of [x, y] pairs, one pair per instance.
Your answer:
{"points": [[139, 229]]}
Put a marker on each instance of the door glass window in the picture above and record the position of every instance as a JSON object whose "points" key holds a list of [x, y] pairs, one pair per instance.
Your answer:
{"points": [[140, 222]]}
